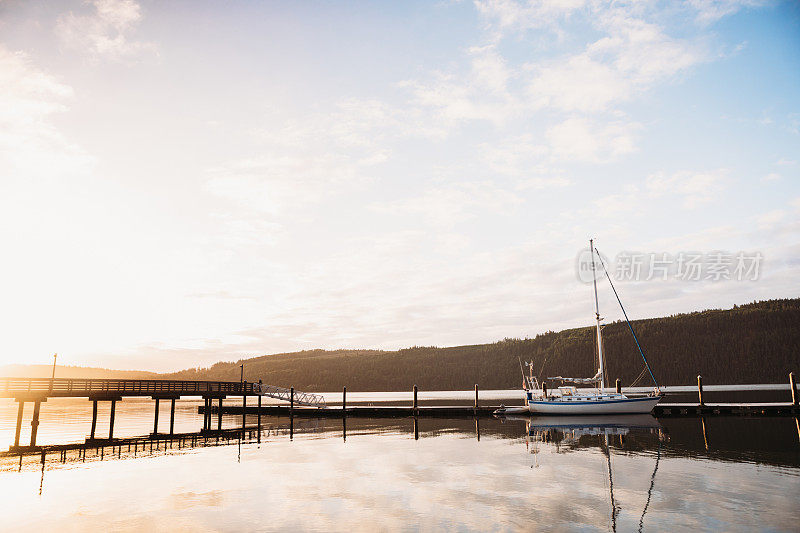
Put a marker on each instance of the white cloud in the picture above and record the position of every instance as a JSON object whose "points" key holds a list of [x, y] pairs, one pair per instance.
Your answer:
{"points": [[772, 176], [695, 188], [447, 205], [593, 141], [105, 33], [710, 11]]}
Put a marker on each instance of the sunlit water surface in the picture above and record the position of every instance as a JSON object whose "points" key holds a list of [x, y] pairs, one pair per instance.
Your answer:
{"points": [[373, 475]]}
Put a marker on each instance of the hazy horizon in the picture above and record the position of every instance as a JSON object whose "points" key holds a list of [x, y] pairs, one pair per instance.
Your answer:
{"points": [[186, 183]]}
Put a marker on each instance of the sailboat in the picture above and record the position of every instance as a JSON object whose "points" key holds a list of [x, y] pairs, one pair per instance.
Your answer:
{"points": [[569, 400]]}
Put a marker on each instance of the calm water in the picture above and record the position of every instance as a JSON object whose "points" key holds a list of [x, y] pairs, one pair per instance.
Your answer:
{"points": [[373, 475]]}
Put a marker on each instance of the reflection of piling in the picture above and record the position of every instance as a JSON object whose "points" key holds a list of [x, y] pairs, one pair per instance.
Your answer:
{"points": [[344, 429], [705, 432], [797, 422], [477, 430], [416, 427], [700, 390]]}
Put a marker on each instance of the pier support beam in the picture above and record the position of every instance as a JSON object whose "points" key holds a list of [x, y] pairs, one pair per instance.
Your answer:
{"points": [[291, 401], [111, 419], [35, 422], [172, 416], [244, 411], [19, 422], [94, 419], [700, 390], [155, 420], [219, 415]]}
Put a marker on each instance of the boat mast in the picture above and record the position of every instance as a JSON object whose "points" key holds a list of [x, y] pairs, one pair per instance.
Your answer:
{"points": [[597, 320]]}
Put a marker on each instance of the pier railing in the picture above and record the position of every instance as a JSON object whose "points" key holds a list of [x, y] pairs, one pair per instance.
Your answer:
{"points": [[10, 387]]}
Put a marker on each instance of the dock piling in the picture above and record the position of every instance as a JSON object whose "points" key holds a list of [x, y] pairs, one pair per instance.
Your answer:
{"points": [[700, 390], [475, 407], [291, 401], [344, 401], [111, 419], [35, 422], [793, 386], [172, 416], [94, 419], [19, 422], [219, 415], [414, 407], [155, 421], [619, 386]]}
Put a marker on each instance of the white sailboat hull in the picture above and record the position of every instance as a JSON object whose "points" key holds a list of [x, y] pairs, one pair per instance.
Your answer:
{"points": [[592, 406]]}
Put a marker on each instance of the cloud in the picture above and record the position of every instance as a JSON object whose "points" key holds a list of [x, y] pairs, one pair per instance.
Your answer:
{"points": [[695, 188], [772, 176], [105, 33], [447, 205], [30, 145], [710, 11], [591, 140]]}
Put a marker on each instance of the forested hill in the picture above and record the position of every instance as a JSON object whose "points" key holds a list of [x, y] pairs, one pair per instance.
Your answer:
{"points": [[753, 343]]}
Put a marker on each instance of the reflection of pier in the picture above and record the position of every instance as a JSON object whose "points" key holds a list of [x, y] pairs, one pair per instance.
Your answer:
{"points": [[37, 391]]}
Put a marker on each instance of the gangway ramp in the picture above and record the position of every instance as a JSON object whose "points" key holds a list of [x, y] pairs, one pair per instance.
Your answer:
{"points": [[300, 397]]}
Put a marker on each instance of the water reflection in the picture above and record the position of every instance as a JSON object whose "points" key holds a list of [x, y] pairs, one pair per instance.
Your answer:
{"points": [[419, 473]]}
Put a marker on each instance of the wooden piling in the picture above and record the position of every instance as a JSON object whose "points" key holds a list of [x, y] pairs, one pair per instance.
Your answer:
{"points": [[111, 419], [793, 385], [619, 386], [244, 411], [35, 422], [291, 401], [172, 416], [19, 422], [219, 415], [414, 407], [344, 401], [155, 421], [94, 419], [544, 390], [475, 407], [700, 390]]}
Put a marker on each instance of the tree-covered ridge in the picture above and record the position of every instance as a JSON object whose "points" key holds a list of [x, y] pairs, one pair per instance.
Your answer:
{"points": [[752, 343]]}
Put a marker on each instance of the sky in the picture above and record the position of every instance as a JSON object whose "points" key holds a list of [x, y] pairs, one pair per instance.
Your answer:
{"points": [[188, 182]]}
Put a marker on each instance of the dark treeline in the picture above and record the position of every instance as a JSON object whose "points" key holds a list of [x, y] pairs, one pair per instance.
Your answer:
{"points": [[753, 343]]}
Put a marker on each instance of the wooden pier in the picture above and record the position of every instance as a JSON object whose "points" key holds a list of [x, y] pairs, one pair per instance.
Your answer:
{"points": [[39, 390]]}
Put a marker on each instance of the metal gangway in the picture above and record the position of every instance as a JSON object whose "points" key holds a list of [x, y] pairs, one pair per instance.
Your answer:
{"points": [[300, 398]]}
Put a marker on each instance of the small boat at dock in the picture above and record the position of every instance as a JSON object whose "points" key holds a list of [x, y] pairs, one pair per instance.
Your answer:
{"points": [[570, 400]]}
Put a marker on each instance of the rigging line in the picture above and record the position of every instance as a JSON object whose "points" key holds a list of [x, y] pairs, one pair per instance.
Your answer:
{"points": [[640, 376], [650, 490], [626, 318]]}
